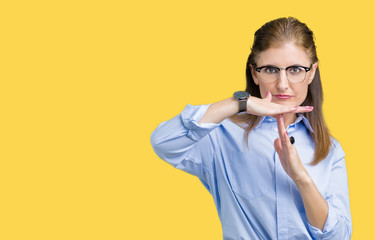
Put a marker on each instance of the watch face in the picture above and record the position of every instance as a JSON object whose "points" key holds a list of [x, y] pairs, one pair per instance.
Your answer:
{"points": [[241, 95]]}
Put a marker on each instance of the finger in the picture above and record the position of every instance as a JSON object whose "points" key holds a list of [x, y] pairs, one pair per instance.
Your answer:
{"points": [[291, 109], [277, 109], [281, 127], [279, 150], [302, 109], [286, 144], [278, 147], [268, 96]]}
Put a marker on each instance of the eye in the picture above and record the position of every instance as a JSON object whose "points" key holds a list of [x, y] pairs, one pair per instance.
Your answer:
{"points": [[295, 70], [271, 70]]}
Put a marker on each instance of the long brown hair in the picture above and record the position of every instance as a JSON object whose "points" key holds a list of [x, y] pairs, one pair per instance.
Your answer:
{"points": [[273, 34]]}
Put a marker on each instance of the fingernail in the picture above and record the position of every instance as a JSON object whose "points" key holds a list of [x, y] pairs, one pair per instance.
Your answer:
{"points": [[292, 140]]}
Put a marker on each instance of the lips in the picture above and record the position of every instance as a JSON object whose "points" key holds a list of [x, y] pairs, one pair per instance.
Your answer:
{"points": [[282, 96]]}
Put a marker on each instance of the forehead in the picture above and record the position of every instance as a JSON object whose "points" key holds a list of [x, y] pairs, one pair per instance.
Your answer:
{"points": [[282, 56]]}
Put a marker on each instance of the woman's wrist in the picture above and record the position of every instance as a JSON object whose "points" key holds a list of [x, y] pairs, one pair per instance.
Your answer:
{"points": [[219, 111], [303, 181]]}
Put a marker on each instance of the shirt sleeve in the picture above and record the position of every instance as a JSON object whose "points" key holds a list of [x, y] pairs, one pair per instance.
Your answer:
{"points": [[184, 143], [339, 223]]}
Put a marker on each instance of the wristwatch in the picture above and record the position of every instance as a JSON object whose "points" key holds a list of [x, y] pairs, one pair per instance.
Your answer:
{"points": [[241, 97]]}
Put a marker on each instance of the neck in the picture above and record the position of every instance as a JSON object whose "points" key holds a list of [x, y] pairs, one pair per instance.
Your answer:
{"points": [[289, 118]]}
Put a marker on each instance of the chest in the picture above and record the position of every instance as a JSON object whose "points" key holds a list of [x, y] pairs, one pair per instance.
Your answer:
{"points": [[254, 170]]}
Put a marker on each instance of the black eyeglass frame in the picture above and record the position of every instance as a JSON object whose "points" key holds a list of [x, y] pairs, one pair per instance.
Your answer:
{"points": [[286, 69]]}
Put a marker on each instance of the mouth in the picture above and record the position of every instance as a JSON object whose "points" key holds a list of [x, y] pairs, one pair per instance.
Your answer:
{"points": [[282, 96]]}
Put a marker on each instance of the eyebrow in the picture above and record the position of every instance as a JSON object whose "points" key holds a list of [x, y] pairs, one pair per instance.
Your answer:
{"points": [[271, 65]]}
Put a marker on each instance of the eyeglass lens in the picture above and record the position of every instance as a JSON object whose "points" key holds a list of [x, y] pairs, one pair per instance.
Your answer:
{"points": [[294, 74]]}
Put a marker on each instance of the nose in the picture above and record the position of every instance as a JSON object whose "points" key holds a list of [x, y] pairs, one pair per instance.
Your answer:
{"points": [[282, 82]]}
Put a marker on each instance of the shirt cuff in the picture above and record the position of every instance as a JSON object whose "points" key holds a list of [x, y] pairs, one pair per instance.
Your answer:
{"points": [[190, 117], [328, 229]]}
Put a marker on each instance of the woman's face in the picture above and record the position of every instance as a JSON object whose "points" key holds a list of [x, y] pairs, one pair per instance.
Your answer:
{"points": [[283, 91]]}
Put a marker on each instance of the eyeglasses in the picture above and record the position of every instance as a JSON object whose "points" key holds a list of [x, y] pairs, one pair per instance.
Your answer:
{"points": [[295, 74]]}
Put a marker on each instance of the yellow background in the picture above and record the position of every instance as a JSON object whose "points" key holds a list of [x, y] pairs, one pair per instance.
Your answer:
{"points": [[84, 83]]}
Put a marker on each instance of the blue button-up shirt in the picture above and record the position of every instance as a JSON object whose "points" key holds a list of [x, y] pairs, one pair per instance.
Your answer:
{"points": [[254, 197]]}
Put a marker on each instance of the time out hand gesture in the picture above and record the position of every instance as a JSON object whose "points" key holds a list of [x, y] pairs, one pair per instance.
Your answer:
{"points": [[226, 108], [288, 154], [264, 107]]}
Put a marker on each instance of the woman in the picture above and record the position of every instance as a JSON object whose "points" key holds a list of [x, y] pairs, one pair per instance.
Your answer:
{"points": [[274, 171]]}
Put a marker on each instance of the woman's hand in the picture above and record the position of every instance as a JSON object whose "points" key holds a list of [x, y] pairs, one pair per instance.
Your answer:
{"points": [[226, 108], [264, 107], [316, 207], [288, 155]]}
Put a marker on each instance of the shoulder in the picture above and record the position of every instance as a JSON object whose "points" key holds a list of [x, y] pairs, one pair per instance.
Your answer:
{"points": [[336, 146], [336, 152]]}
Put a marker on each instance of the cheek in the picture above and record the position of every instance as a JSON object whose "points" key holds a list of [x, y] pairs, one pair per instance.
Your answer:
{"points": [[264, 89], [301, 93]]}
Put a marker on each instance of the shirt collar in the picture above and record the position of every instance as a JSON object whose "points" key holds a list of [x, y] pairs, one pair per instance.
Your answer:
{"points": [[300, 117]]}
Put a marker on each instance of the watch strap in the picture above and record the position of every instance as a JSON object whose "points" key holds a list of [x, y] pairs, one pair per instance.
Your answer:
{"points": [[243, 105], [241, 97]]}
